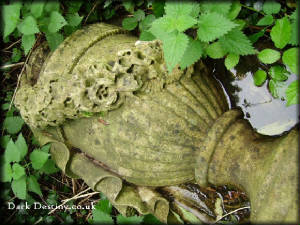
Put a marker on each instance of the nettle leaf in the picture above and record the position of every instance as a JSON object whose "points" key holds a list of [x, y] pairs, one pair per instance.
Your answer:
{"points": [[19, 187], [129, 220], [195, 9], [268, 56], [18, 171], [21, 145], [33, 185], [28, 26], [177, 8], [292, 93], [174, 47], [160, 28], [222, 7], [6, 172], [139, 15], [213, 26], [57, 21], [281, 32], [181, 23], [231, 60], [11, 153], [271, 7], [278, 73], [145, 24], [54, 40], [10, 16], [37, 8], [234, 10], [129, 23], [38, 158], [290, 58], [101, 217], [13, 124], [28, 42], [74, 19], [104, 205], [192, 53], [266, 20], [236, 42], [273, 88], [146, 36], [49, 167], [215, 50]]}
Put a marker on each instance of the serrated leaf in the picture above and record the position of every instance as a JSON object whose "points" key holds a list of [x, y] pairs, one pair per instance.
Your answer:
{"points": [[10, 16], [195, 9], [273, 88], [292, 93], [160, 27], [291, 58], [54, 40], [22, 146], [278, 73], [259, 77], [6, 172], [11, 153], [28, 26], [271, 7], [174, 47], [49, 167], [74, 19], [104, 205], [268, 56], [213, 26], [192, 53], [236, 42], [215, 50], [37, 8], [139, 15], [221, 7], [231, 60], [38, 158], [129, 220], [28, 42], [13, 124], [266, 20], [57, 21], [234, 10], [19, 187], [145, 24], [100, 217], [281, 32], [18, 171], [129, 23], [33, 185], [178, 8], [146, 36], [16, 56]]}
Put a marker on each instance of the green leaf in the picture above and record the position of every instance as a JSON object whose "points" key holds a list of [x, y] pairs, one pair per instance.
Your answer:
{"points": [[22, 146], [231, 61], [100, 217], [292, 93], [268, 56], [271, 7], [6, 172], [278, 73], [128, 5], [145, 24], [49, 167], [13, 124], [195, 10], [129, 220], [146, 36], [16, 56], [51, 6], [213, 26], [74, 19], [236, 42], [46, 148], [57, 21], [160, 27], [33, 185], [139, 15], [10, 17], [294, 35], [273, 88], [191, 54], [290, 58], [254, 37], [129, 23], [38, 158], [150, 219], [19, 187], [215, 50], [104, 205], [178, 8], [28, 26], [174, 47], [222, 7], [158, 7], [18, 171], [281, 32], [28, 42], [74, 6], [37, 8], [11, 153], [4, 140], [234, 10], [266, 20], [54, 40]]}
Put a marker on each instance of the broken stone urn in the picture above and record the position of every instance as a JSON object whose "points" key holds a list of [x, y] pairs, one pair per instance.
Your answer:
{"points": [[117, 119]]}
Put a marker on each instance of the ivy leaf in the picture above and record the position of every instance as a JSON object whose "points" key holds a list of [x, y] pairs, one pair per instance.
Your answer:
{"points": [[139, 15], [18, 171], [129, 220], [38, 158], [145, 24], [271, 7], [19, 187], [273, 88], [49, 167], [10, 17], [6, 172], [231, 61], [13, 124], [215, 50], [57, 21], [28, 42], [178, 8], [54, 40], [174, 47], [146, 36], [222, 7], [266, 20], [236, 42], [191, 54], [33, 185], [290, 58], [74, 19], [213, 26], [278, 73], [37, 8], [281, 32], [268, 56], [28, 26], [129, 23], [22, 146], [234, 10], [292, 93], [11, 153]]}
